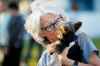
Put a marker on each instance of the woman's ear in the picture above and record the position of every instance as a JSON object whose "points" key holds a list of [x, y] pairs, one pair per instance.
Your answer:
{"points": [[77, 25]]}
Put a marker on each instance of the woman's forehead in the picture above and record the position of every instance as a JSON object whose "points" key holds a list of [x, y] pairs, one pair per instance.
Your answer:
{"points": [[48, 15], [48, 18]]}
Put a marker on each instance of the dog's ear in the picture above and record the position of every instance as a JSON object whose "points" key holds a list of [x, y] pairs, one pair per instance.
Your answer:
{"points": [[77, 25]]}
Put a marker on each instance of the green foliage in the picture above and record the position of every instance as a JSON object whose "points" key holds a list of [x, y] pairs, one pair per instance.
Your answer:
{"points": [[97, 42]]}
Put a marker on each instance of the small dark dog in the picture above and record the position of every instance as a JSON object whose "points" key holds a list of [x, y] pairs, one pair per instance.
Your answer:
{"points": [[75, 52]]}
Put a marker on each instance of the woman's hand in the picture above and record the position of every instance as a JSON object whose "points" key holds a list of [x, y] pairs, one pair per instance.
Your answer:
{"points": [[63, 56], [64, 60]]}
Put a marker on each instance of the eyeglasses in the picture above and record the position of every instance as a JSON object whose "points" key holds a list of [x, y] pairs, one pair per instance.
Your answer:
{"points": [[55, 24]]}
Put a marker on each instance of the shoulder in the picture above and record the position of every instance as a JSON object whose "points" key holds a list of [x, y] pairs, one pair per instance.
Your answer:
{"points": [[45, 53], [43, 58], [83, 39], [82, 35]]}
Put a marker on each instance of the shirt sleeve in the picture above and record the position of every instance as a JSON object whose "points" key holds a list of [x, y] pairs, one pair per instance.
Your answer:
{"points": [[87, 46]]}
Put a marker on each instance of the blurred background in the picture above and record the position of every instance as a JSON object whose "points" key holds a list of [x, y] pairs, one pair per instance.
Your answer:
{"points": [[13, 14]]}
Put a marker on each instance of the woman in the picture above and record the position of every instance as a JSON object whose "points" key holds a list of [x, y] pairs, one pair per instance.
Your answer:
{"points": [[44, 18]]}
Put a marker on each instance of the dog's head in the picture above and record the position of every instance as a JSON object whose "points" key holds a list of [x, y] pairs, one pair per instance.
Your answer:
{"points": [[69, 35]]}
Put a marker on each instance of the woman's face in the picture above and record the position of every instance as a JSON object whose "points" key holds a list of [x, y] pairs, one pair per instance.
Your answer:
{"points": [[46, 20]]}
